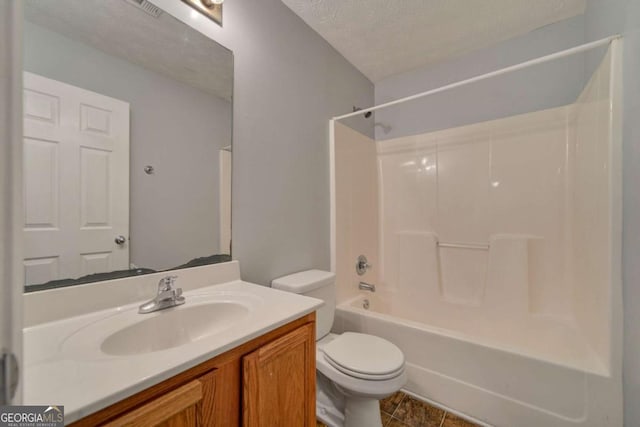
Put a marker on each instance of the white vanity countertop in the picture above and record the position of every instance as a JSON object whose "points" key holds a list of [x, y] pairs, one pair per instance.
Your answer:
{"points": [[64, 364]]}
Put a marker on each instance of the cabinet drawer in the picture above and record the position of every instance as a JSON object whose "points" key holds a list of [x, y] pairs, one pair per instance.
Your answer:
{"points": [[177, 408]]}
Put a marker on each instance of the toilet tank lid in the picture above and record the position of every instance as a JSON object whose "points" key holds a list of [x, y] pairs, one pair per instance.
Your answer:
{"points": [[303, 281]]}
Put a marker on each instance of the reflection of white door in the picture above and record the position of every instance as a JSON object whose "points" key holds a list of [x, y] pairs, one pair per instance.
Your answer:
{"points": [[76, 181]]}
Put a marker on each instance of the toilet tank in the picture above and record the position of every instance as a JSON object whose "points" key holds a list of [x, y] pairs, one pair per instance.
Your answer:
{"points": [[316, 284]]}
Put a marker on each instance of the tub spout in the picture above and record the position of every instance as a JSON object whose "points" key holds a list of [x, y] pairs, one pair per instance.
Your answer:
{"points": [[366, 287]]}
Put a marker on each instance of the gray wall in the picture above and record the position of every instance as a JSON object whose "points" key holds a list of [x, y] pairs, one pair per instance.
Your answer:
{"points": [[288, 83], [544, 86], [174, 127], [603, 18], [11, 218]]}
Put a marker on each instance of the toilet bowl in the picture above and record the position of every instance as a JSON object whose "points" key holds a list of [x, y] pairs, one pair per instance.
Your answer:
{"points": [[359, 390], [354, 370]]}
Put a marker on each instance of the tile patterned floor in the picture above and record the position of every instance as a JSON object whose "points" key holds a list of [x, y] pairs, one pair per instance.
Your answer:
{"points": [[402, 410]]}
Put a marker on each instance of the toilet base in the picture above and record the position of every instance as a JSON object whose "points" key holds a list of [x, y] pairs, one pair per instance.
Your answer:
{"points": [[362, 412], [358, 413], [329, 402], [335, 408]]}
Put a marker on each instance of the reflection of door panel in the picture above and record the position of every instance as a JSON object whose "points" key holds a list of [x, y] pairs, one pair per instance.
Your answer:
{"points": [[76, 181]]}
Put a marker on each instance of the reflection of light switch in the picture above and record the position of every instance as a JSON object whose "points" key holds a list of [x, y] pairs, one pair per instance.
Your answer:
{"points": [[148, 170]]}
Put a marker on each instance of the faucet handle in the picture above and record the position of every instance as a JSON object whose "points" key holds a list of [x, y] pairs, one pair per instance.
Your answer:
{"points": [[362, 265], [166, 283]]}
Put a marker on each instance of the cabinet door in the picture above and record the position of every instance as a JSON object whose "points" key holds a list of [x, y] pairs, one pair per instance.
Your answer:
{"points": [[279, 382], [178, 408]]}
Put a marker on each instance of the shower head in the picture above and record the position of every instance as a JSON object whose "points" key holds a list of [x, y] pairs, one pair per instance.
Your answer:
{"points": [[366, 115]]}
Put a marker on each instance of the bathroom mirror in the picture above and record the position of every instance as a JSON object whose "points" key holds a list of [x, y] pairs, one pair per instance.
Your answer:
{"points": [[127, 142]]}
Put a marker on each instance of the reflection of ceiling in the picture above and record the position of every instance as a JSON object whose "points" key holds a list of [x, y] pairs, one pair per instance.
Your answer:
{"points": [[386, 37], [162, 44]]}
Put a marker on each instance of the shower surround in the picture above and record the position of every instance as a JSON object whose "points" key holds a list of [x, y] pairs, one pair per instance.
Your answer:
{"points": [[495, 249]]}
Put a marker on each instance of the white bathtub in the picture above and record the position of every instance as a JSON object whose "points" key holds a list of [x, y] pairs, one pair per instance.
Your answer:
{"points": [[478, 376]]}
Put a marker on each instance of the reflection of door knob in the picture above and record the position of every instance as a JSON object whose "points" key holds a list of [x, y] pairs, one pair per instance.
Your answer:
{"points": [[120, 240]]}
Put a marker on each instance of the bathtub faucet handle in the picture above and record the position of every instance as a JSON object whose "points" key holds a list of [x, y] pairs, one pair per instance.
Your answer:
{"points": [[362, 265]]}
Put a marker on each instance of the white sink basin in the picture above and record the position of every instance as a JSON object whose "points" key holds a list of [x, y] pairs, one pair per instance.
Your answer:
{"points": [[174, 327], [128, 333]]}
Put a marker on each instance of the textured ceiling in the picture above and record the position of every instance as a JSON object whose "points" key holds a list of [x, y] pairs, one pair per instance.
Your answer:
{"points": [[162, 44], [386, 37]]}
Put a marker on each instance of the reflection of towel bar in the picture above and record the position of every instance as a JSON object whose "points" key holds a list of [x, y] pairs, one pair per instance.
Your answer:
{"points": [[464, 246]]}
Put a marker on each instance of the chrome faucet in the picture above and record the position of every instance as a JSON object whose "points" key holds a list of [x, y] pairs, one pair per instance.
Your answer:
{"points": [[168, 296], [366, 287]]}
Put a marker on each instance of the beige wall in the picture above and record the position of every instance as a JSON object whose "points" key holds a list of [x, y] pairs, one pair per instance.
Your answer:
{"points": [[501, 183], [591, 210], [356, 209]]}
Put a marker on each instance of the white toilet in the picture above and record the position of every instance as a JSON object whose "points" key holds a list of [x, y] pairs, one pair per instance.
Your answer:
{"points": [[354, 370]]}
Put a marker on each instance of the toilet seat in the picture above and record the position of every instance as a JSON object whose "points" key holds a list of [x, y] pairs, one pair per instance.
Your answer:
{"points": [[377, 389], [361, 375], [364, 356]]}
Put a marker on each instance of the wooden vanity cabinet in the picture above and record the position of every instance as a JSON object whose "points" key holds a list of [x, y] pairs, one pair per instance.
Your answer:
{"points": [[268, 381], [279, 381]]}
